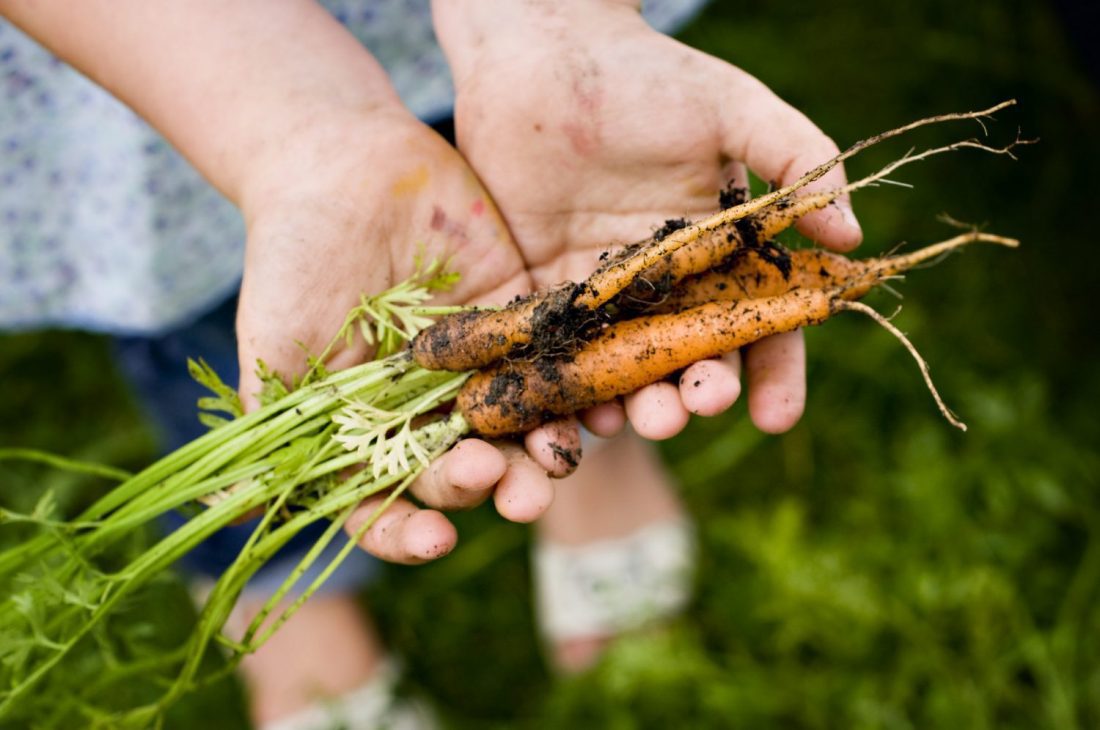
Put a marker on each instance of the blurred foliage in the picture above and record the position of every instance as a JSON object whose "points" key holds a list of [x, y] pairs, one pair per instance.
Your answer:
{"points": [[874, 567]]}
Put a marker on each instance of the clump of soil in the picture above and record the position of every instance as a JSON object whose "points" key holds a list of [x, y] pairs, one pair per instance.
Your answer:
{"points": [[671, 226], [732, 195], [558, 326]]}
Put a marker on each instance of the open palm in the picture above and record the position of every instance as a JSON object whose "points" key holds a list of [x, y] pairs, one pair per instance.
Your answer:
{"points": [[593, 137]]}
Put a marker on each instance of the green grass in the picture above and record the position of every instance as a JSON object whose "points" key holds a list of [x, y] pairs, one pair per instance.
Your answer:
{"points": [[872, 568]]}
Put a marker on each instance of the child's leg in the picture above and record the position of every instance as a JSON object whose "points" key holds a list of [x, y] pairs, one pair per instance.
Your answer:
{"points": [[327, 650], [615, 550]]}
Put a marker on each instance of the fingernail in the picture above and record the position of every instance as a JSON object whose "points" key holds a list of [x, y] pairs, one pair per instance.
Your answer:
{"points": [[849, 217]]}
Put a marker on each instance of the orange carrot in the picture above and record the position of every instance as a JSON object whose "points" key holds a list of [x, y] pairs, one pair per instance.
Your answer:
{"points": [[564, 316], [468, 340], [756, 274], [646, 271], [516, 396]]}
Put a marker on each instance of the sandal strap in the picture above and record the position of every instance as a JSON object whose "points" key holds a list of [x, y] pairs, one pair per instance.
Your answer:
{"points": [[610, 586], [371, 706]]}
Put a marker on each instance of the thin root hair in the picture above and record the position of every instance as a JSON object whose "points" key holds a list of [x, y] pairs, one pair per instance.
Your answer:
{"points": [[891, 290], [910, 157], [921, 363]]}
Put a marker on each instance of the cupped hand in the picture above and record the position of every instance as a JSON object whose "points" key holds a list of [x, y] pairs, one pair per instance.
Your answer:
{"points": [[590, 129], [345, 208]]}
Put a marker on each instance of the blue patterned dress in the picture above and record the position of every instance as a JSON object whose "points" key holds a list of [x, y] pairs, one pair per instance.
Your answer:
{"points": [[104, 226]]}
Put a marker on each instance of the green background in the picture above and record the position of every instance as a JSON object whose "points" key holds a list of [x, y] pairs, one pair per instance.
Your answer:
{"points": [[871, 568]]}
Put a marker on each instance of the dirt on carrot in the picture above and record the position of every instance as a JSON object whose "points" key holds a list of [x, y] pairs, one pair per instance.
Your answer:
{"points": [[645, 273], [754, 300]]}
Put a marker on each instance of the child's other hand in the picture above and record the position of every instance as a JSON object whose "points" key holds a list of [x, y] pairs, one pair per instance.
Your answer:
{"points": [[589, 128], [289, 116], [341, 209]]}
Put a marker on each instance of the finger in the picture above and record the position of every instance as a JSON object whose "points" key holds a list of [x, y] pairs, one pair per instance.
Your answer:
{"points": [[403, 533], [780, 144], [462, 478], [555, 446], [525, 492], [656, 411], [775, 369], [291, 301], [709, 387], [604, 420]]}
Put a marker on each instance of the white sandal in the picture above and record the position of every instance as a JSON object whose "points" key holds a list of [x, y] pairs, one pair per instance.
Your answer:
{"points": [[610, 586], [371, 706]]}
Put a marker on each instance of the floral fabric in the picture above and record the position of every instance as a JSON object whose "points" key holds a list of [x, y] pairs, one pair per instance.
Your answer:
{"points": [[104, 226]]}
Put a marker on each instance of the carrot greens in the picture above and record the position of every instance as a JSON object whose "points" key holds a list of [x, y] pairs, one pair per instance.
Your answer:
{"points": [[289, 458]]}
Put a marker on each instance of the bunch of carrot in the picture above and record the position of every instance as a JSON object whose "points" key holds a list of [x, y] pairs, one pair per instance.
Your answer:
{"points": [[689, 292], [692, 291]]}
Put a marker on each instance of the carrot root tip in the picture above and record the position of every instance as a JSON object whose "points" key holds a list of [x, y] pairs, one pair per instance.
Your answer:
{"points": [[921, 362]]}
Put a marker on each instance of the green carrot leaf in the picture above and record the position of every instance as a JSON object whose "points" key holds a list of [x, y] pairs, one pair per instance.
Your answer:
{"points": [[211, 421], [225, 398], [272, 386]]}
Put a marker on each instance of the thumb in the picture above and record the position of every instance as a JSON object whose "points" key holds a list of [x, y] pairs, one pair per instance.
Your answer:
{"points": [[293, 301], [780, 144], [283, 333]]}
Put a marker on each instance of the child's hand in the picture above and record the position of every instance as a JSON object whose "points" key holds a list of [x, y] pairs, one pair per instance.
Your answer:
{"points": [[589, 128], [342, 210], [285, 113]]}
